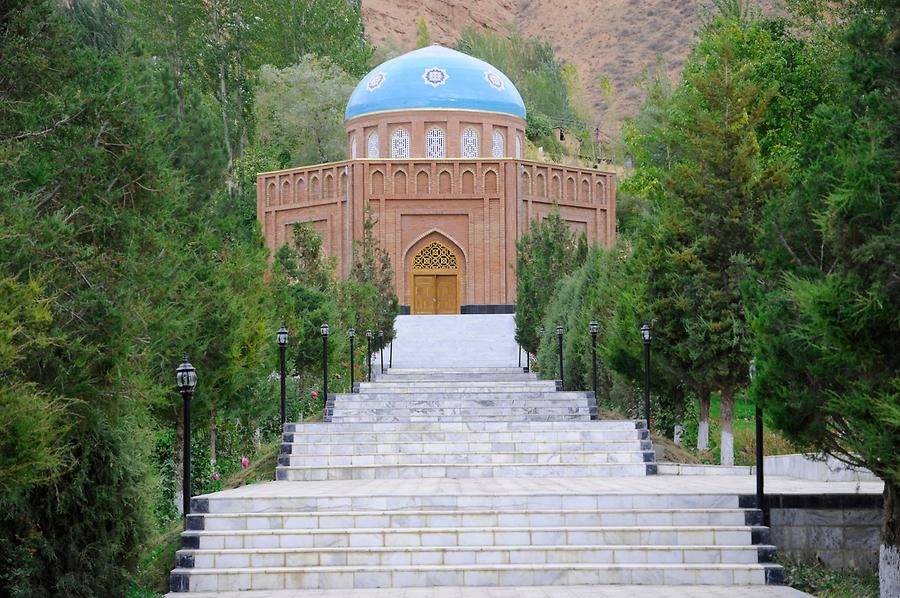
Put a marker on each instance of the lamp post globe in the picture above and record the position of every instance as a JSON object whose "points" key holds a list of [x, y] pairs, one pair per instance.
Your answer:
{"points": [[281, 337], [594, 327], [323, 329], [646, 334], [186, 381]]}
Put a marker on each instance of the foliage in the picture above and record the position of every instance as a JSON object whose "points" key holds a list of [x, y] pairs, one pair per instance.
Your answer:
{"points": [[300, 111], [548, 251], [824, 582], [550, 89], [423, 38]]}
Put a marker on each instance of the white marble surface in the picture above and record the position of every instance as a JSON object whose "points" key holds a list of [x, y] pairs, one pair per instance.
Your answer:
{"points": [[455, 341], [622, 591], [659, 484]]}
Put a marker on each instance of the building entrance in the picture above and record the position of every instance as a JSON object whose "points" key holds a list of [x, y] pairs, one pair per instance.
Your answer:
{"points": [[435, 280]]}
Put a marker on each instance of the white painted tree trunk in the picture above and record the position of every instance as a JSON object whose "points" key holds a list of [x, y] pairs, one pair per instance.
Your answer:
{"points": [[703, 428], [889, 554], [726, 419], [703, 436], [889, 571], [678, 434]]}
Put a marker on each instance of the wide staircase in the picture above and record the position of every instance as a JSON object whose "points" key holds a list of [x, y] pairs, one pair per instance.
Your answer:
{"points": [[467, 477]]}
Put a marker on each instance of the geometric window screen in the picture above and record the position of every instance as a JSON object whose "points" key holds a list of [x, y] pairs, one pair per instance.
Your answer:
{"points": [[435, 143], [435, 256], [400, 144], [470, 143], [498, 150], [372, 146]]}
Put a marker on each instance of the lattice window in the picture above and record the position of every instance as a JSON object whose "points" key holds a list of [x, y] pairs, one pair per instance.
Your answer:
{"points": [[435, 144], [518, 147], [400, 143], [470, 143], [498, 150], [372, 146], [353, 149], [435, 256]]}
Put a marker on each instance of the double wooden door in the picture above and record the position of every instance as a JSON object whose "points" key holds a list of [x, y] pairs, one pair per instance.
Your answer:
{"points": [[435, 294]]}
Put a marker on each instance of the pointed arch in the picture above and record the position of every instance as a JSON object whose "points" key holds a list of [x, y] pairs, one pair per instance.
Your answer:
{"points": [[423, 186], [400, 182], [445, 182], [468, 182], [490, 182]]}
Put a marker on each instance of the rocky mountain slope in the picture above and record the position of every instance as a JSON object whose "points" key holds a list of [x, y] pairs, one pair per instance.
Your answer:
{"points": [[607, 40]]}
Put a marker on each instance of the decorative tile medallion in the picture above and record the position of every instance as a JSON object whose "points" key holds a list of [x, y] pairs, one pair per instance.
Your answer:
{"points": [[376, 81], [494, 80], [435, 76]]}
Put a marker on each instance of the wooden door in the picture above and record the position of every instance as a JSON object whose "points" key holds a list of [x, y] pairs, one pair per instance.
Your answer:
{"points": [[446, 294], [424, 294]]}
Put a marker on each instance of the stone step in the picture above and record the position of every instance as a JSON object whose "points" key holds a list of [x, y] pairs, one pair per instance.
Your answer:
{"points": [[453, 377], [492, 427], [497, 439], [471, 458], [440, 410], [462, 470], [288, 497], [454, 388], [353, 416], [419, 401], [640, 535], [456, 518], [324, 448], [467, 555], [458, 370], [275, 578]]}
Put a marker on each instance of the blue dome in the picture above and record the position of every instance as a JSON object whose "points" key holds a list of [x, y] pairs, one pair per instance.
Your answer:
{"points": [[435, 77]]}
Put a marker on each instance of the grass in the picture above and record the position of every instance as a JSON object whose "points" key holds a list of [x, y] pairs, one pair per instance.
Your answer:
{"points": [[823, 582]]}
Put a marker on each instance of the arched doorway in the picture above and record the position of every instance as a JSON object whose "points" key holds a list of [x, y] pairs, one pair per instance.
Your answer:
{"points": [[435, 280]]}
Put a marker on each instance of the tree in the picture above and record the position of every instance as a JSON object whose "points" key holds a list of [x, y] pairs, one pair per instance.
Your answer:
{"points": [[423, 38], [548, 251], [824, 304], [300, 111]]}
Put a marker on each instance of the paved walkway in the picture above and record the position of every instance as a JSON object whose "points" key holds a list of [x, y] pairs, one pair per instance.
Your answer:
{"points": [[455, 341], [526, 592]]}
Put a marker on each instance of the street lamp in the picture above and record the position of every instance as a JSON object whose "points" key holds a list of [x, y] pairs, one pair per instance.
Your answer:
{"points": [[281, 337], [381, 349], [559, 337], [594, 328], [368, 355], [186, 381], [323, 330], [351, 334], [646, 337], [760, 458]]}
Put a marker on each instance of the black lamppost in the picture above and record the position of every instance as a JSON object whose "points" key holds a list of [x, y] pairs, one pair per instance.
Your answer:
{"points": [[282, 338], [351, 334], [381, 349], [760, 458], [186, 381], [594, 328], [646, 336], [323, 329], [368, 355], [559, 337]]}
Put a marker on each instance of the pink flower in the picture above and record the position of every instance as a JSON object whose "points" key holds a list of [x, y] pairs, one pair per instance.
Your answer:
{"points": [[215, 477], [314, 394], [245, 462]]}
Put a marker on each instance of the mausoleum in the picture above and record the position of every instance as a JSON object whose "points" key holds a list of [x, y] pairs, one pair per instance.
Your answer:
{"points": [[436, 141]]}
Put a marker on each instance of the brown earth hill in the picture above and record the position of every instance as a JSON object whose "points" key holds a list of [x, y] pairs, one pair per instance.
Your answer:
{"points": [[614, 40]]}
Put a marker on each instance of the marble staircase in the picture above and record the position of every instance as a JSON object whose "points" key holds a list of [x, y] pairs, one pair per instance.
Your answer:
{"points": [[467, 477]]}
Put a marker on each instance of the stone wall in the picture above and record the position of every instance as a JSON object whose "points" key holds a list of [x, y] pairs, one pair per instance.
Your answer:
{"points": [[841, 530]]}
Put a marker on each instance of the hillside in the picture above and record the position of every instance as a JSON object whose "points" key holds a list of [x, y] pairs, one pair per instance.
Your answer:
{"points": [[616, 40]]}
